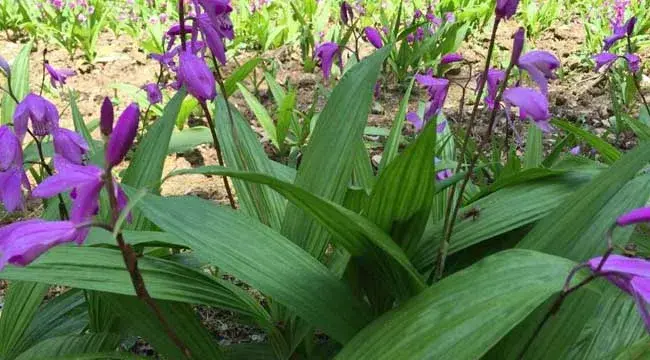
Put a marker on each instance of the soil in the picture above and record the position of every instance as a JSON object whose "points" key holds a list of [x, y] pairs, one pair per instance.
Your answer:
{"points": [[579, 95]]}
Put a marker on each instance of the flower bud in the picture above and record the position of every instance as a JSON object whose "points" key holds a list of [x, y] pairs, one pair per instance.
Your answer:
{"points": [[518, 45], [106, 117], [4, 67], [123, 135]]}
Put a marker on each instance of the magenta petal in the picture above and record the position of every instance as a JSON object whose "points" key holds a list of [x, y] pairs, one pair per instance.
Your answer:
{"points": [[22, 242], [506, 8], [69, 144], [11, 189], [633, 62], [68, 176], [451, 58], [531, 103], [623, 265], [123, 135], [106, 117], [325, 53], [641, 291], [86, 203], [604, 59], [197, 77], [415, 120], [122, 200], [11, 152], [373, 37], [634, 217]]}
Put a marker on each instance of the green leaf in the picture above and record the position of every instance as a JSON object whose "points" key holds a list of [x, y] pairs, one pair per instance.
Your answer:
{"points": [[401, 200], [285, 115], [21, 304], [187, 107], [534, 149], [557, 233], [261, 115], [137, 317], [392, 144], [464, 315], [188, 139], [505, 210], [609, 153], [266, 260], [243, 151], [65, 347], [103, 270], [641, 129], [146, 167], [276, 90], [240, 74], [19, 84], [326, 167], [640, 350]]}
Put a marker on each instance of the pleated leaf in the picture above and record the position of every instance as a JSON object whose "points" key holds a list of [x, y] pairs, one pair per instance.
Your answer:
{"points": [[19, 84], [66, 347], [22, 301]]}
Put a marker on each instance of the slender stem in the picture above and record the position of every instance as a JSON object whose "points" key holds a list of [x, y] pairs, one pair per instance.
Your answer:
{"points": [[44, 70], [181, 21], [131, 261], [442, 251], [217, 147]]}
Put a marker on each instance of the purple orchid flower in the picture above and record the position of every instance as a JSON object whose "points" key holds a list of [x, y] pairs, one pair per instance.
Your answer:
{"points": [[58, 77], [106, 117], [373, 36], [575, 150], [605, 59], [347, 14], [540, 65], [325, 53], [518, 45], [443, 174], [418, 122], [506, 8], [494, 79], [451, 58], [43, 115], [437, 89], [153, 93], [22, 242], [85, 182], [417, 14], [633, 62], [635, 216], [619, 31], [450, 18], [631, 275], [70, 145], [194, 73], [12, 175], [213, 37], [4, 67], [123, 135], [531, 103]]}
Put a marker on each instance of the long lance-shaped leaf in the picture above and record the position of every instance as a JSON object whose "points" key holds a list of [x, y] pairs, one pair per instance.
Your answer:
{"points": [[136, 317], [146, 168], [326, 167], [348, 227], [71, 346], [392, 143], [103, 270], [464, 315], [243, 151], [609, 153], [19, 84], [22, 301], [264, 259]]}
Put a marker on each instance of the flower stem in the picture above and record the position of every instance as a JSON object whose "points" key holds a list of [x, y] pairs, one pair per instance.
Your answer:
{"points": [[181, 21], [444, 244], [131, 261], [217, 147]]}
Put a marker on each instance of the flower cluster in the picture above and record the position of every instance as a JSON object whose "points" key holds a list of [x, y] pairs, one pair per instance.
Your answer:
{"points": [[212, 22], [433, 23], [620, 31], [22, 242]]}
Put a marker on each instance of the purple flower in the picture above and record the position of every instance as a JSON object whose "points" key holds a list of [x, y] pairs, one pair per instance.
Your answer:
{"points": [[346, 13], [4, 67], [518, 45], [218, 12], [372, 35], [437, 89], [167, 59], [450, 17], [540, 65], [531, 103], [633, 62], [494, 79], [85, 182], [43, 115], [634, 217], [419, 34], [444, 174], [325, 53], [629, 26], [153, 93], [12, 175], [22, 242], [69, 144], [106, 117], [123, 135], [575, 150], [415, 120], [631, 275], [433, 19], [604, 59], [417, 14], [194, 73], [619, 31], [451, 58], [506, 8], [212, 37]]}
